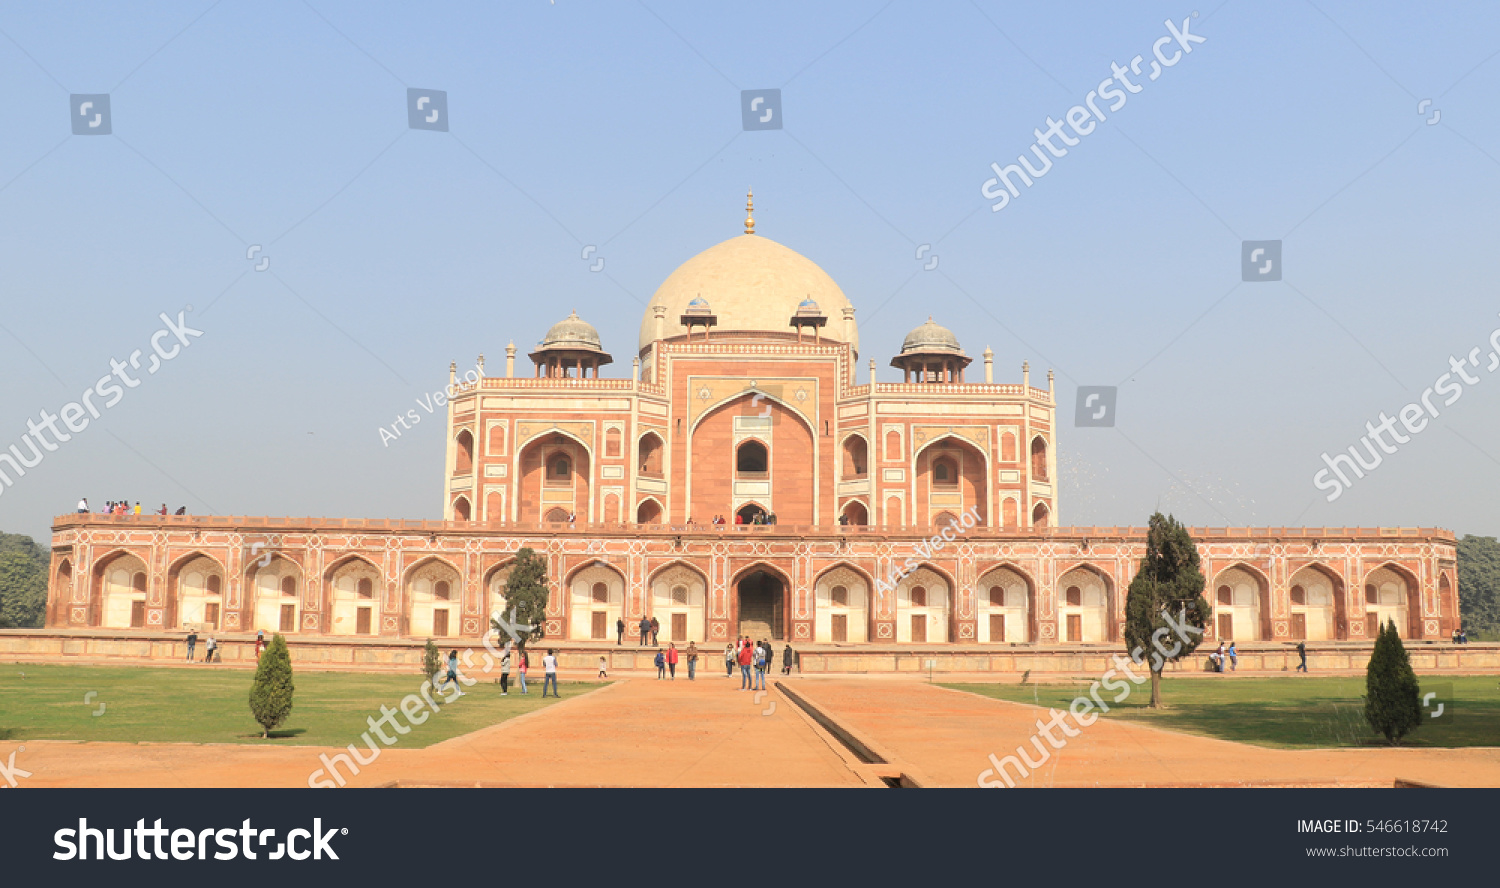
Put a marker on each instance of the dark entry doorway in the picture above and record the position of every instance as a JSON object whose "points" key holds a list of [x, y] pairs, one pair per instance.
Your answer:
{"points": [[748, 513], [760, 598]]}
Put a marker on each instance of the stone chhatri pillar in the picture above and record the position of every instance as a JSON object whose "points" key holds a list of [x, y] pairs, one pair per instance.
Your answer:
{"points": [[989, 365]]}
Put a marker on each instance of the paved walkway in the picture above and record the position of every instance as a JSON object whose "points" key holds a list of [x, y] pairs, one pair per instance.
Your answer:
{"points": [[636, 732], [643, 732], [948, 736]]}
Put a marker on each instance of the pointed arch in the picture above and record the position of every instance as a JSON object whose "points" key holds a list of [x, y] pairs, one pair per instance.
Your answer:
{"points": [[431, 598], [1019, 617], [648, 511], [760, 600], [1039, 458], [1248, 605], [1407, 613], [118, 598], [856, 513], [354, 598], [677, 596], [540, 487], [843, 601], [194, 595], [925, 606], [855, 452], [652, 449], [1041, 517], [1316, 603], [463, 454], [952, 474], [1096, 609]]}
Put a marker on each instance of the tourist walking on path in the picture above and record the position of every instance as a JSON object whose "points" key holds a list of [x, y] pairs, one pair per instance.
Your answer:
{"points": [[672, 660], [83, 506], [549, 668], [505, 671], [192, 643], [521, 668], [787, 658], [655, 631], [260, 642], [1219, 657], [747, 660], [760, 667], [692, 657], [661, 665], [619, 631], [645, 630], [729, 661], [1234, 658], [1302, 652], [603, 671], [209, 649]]}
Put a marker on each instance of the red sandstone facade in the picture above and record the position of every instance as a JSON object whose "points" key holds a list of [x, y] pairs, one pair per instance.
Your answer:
{"points": [[742, 400]]}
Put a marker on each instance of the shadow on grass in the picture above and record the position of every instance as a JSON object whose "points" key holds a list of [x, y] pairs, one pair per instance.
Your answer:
{"points": [[279, 734], [1277, 713]]}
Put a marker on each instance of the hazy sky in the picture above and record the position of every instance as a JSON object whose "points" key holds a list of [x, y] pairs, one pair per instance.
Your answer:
{"points": [[393, 251]]}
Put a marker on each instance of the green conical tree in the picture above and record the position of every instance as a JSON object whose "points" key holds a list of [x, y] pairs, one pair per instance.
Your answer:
{"points": [[1169, 583], [1392, 697], [271, 693], [432, 659], [525, 601]]}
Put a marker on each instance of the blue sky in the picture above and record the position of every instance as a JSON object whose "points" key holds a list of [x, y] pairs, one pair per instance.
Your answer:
{"points": [[393, 251]]}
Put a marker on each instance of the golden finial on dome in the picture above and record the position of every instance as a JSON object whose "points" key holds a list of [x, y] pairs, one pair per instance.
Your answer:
{"points": [[749, 212]]}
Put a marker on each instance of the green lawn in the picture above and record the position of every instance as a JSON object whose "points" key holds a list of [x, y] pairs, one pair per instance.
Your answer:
{"points": [[1285, 713], [212, 705]]}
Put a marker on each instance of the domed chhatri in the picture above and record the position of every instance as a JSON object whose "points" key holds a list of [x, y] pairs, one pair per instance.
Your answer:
{"points": [[572, 332], [571, 345], [931, 353], [931, 337], [755, 284]]}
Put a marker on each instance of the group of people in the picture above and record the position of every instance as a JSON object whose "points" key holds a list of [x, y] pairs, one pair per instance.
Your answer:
{"points": [[667, 661], [123, 507], [755, 659], [1460, 636], [210, 648], [651, 627], [522, 661], [1218, 658]]}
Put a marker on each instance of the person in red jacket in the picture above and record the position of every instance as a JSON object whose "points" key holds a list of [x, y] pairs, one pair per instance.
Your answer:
{"points": [[672, 660], [747, 657]]}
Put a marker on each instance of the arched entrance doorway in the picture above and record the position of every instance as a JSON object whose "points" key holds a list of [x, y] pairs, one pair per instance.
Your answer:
{"points": [[760, 605], [748, 513]]}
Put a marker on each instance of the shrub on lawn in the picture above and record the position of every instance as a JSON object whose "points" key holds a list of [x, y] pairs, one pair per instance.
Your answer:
{"points": [[432, 659], [1392, 703], [271, 693]]}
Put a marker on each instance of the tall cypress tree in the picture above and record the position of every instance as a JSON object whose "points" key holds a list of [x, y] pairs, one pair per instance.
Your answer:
{"points": [[271, 692], [525, 600], [1169, 583], [1392, 697]]}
